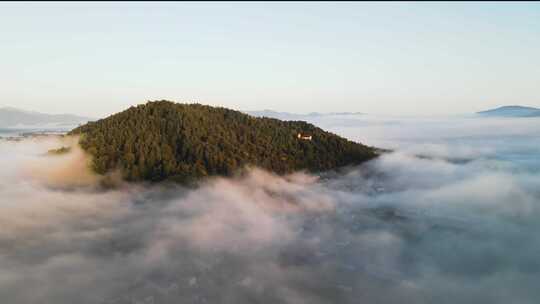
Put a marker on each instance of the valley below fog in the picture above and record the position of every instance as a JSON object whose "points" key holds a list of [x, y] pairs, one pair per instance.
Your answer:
{"points": [[451, 215]]}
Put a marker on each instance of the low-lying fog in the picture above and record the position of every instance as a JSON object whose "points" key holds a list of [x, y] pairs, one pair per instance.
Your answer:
{"points": [[459, 224]]}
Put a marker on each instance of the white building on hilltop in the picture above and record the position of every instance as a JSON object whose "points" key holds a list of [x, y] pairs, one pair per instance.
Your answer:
{"points": [[304, 136]]}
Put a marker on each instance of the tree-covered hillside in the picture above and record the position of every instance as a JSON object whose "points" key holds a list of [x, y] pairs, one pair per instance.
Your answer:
{"points": [[165, 140]]}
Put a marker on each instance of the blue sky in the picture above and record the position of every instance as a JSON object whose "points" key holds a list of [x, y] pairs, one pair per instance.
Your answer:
{"points": [[384, 58]]}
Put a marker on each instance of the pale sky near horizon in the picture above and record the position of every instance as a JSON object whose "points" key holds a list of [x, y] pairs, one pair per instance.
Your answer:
{"points": [[95, 59]]}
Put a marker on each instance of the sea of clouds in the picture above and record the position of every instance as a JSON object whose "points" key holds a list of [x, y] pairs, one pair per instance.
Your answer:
{"points": [[451, 216]]}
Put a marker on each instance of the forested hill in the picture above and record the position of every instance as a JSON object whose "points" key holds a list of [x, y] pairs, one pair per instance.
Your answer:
{"points": [[164, 140]]}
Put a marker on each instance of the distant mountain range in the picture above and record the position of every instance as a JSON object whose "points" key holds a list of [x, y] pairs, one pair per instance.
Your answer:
{"points": [[13, 118], [512, 111], [295, 116]]}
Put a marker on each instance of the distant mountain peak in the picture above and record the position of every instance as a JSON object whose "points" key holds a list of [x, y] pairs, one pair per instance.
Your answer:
{"points": [[13, 109], [511, 111], [11, 117], [296, 116], [513, 107]]}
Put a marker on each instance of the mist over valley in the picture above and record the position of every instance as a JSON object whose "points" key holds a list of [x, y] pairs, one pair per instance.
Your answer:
{"points": [[449, 216]]}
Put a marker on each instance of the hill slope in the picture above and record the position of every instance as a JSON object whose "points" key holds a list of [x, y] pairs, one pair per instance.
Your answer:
{"points": [[12, 117], [165, 140], [512, 111]]}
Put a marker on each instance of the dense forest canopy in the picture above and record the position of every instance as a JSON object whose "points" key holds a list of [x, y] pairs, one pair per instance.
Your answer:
{"points": [[163, 140]]}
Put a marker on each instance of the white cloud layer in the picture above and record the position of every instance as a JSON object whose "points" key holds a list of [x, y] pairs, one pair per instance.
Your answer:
{"points": [[457, 225]]}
